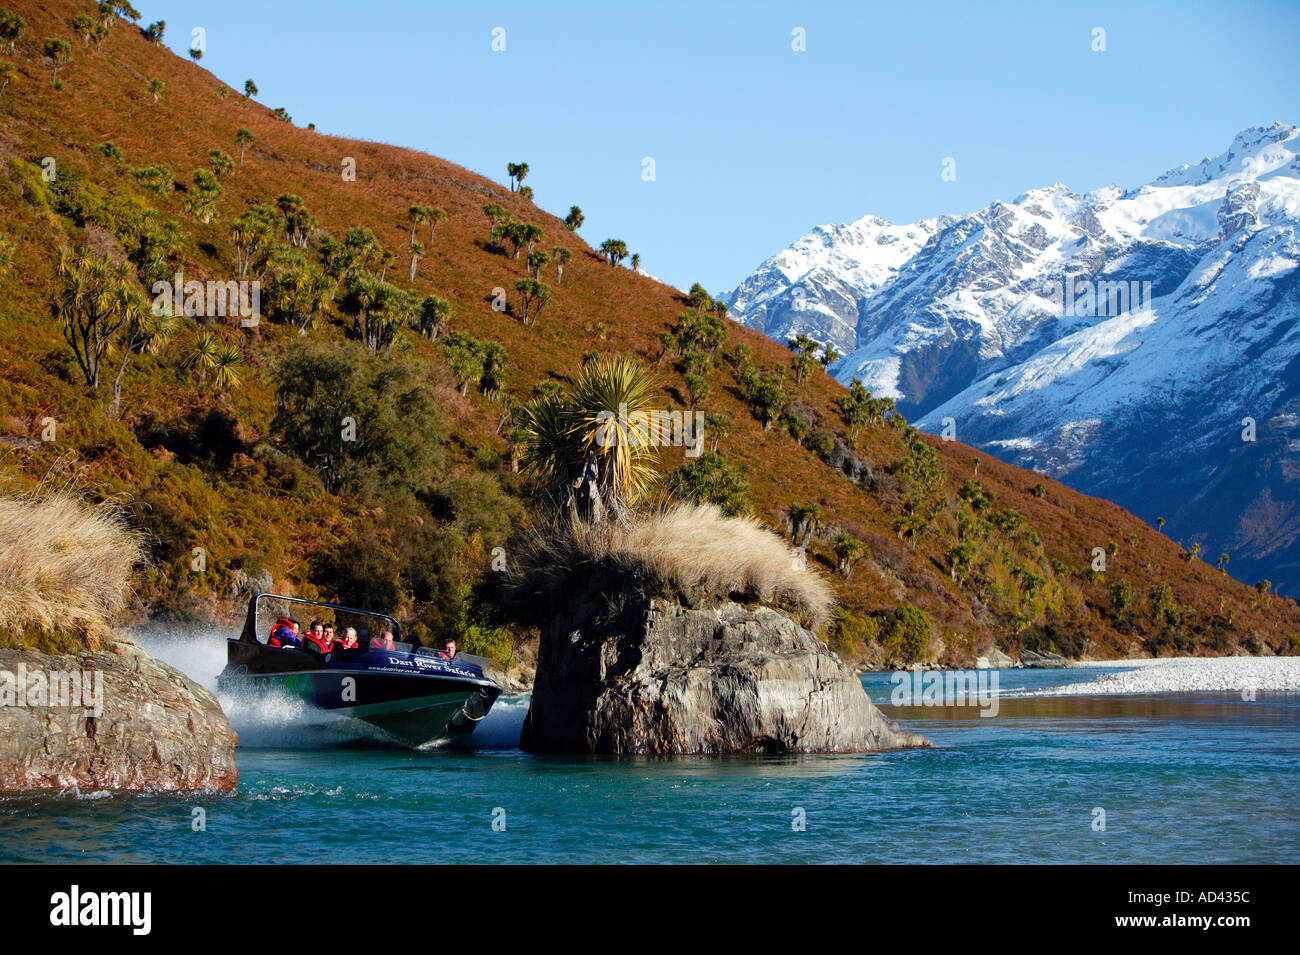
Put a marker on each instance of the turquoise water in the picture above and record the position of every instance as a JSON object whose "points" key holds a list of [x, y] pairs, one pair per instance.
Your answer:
{"points": [[1182, 778]]}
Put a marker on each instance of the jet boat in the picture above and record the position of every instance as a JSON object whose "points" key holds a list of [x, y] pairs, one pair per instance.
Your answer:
{"points": [[418, 696]]}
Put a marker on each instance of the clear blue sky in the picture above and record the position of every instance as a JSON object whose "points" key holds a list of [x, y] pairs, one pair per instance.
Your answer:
{"points": [[753, 142]]}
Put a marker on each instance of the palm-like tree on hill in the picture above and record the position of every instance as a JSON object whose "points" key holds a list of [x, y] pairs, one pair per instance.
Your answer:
{"points": [[517, 171], [435, 215], [8, 72], [594, 461], [225, 367], [848, 551], [11, 27], [146, 330], [434, 314], [417, 215], [57, 52], [243, 138], [84, 27], [805, 521], [201, 355], [220, 163], [417, 250], [560, 256], [94, 301]]}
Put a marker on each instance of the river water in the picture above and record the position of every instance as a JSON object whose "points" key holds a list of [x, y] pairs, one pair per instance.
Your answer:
{"points": [[1108, 764]]}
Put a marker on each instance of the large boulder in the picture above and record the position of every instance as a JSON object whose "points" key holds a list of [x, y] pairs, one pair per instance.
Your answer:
{"points": [[155, 729], [652, 676], [995, 659], [1043, 660]]}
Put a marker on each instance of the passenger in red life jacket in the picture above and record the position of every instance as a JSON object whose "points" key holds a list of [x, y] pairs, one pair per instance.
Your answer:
{"points": [[329, 636], [314, 639], [284, 634], [448, 651], [383, 643], [348, 641]]}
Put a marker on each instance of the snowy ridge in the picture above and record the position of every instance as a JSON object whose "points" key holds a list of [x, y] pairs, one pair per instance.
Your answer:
{"points": [[1116, 339]]}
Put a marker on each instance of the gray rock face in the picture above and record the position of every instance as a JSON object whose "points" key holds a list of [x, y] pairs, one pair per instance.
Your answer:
{"points": [[656, 677], [243, 585], [995, 659], [156, 730], [1028, 658]]}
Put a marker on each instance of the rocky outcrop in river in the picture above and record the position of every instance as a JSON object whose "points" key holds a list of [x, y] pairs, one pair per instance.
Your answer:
{"points": [[135, 723], [652, 676]]}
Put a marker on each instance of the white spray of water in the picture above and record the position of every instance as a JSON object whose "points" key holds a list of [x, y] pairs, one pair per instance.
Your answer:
{"points": [[283, 722], [198, 650], [262, 721]]}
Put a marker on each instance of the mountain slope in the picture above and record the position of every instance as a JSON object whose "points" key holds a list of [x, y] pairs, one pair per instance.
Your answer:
{"points": [[213, 468], [1115, 340]]}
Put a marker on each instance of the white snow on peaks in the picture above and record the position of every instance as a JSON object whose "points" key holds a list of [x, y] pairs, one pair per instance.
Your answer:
{"points": [[975, 307]]}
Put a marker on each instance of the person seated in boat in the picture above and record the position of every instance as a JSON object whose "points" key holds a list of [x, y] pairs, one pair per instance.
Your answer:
{"points": [[383, 643], [348, 641], [329, 635], [314, 639], [284, 634], [448, 651]]}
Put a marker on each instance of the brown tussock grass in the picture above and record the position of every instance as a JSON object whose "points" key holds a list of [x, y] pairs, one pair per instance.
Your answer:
{"points": [[65, 568], [690, 551]]}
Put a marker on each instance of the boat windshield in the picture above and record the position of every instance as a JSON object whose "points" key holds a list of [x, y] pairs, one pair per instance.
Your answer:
{"points": [[341, 625], [379, 643]]}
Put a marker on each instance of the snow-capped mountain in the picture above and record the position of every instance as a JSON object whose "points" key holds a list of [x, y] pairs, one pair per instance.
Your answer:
{"points": [[1117, 340]]}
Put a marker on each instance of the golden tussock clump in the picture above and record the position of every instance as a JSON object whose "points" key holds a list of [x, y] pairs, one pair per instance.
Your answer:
{"points": [[690, 550], [65, 570]]}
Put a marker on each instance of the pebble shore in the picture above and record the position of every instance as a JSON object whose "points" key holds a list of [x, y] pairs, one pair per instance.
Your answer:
{"points": [[1188, 675]]}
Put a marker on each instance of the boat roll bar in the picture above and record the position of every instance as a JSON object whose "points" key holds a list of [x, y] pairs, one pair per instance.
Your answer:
{"points": [[249, 634]]}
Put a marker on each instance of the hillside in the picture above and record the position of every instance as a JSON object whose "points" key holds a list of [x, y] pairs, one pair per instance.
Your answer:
{"points": [[232, 456], [1080, 336]]}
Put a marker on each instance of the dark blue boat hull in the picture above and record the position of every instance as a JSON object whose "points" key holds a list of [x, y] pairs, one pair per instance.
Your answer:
{"points": [[418, 700]]}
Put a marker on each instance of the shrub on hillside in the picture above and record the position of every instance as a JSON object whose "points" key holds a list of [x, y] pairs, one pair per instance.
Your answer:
{"points": [[476, 634], [849, 634], [287, 473], [1058, 633], [411, 560], [366, 425], [362, 570], [709, 479], [163, 529], [475, 503], [908, 634]]}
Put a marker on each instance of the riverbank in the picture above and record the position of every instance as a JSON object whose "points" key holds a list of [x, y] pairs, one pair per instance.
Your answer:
{"points": [[1189, 675]]}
